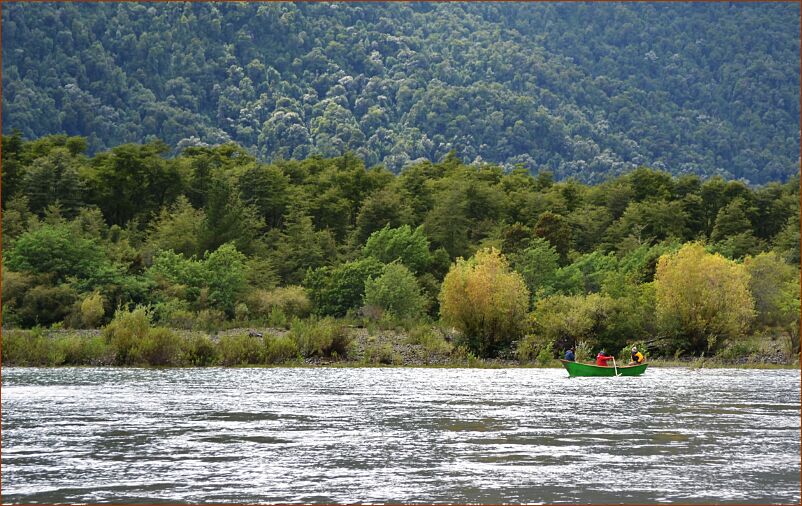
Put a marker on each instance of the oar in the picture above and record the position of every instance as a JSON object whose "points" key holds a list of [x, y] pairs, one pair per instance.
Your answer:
{"points": [[615, 367]]}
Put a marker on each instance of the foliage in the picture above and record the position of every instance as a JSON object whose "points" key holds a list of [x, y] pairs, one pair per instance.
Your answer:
{"points": [[584, 90], [702, 299], [408, 246], [291, 301], [280, 349], [335, 290], [775, 287], [240, 349], [320, 338], [92, 310], [485, 301], [396, 292], [127, 333], [55, 250]]}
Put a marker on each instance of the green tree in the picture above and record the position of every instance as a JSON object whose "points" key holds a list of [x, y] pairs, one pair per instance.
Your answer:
{"points": [[396, 292], [224, 275], [537, 264], [54, 249], [335, 290], [179, 228], [555, 229], [408, 246]]}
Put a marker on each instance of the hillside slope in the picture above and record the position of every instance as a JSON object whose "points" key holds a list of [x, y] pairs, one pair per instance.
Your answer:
{"points": [[585, 90]]}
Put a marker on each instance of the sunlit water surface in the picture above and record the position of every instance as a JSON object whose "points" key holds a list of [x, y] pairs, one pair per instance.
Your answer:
{"points": [[399, 435]]}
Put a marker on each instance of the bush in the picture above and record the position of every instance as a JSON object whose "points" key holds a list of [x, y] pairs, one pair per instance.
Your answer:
{"points": [[291, 301], [583, 352], [241, 312], [535, 347], [46, 305], [736, 351], [702, 299], [485, 301], [174, 313], [381, 354], [210, 320], [199, 350], [278, 319], [125, 333], [241, 350], [431, 341], [92, 310], [29, 348], [161, 347], [322, 338], [396, 292], [280, 349], [335, 290], [78, 350]]}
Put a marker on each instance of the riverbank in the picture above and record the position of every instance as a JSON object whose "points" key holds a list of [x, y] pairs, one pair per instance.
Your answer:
{"points": [[309, 346]]}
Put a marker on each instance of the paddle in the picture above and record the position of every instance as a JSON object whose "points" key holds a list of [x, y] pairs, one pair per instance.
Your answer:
{"points": [[615, 367]]}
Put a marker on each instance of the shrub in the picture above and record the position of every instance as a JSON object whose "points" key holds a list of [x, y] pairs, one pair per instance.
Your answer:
{"points": [[702, 299], [277, 318], [161, 347], [396, 292], [431, 341], [335, 290], [126, 332], [174, 313], [583, 351], [535, 347], [381, 354], [322, 338], [241, 312], [485, 301], [280, 349], [292, 301], [199, 350], [79, 350], [29, 348], [45, 305], [736, 351], [92, 310], [241, 350], [210, 320]]}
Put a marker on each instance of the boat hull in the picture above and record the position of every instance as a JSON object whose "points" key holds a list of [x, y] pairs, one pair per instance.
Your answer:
{"points": [[579, 369]]}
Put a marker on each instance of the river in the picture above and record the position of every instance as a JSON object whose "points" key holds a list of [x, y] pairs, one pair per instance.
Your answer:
{"points": [[365, 435]]}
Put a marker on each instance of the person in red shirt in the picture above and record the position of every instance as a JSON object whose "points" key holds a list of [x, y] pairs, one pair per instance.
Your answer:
{"points": [[602, 358]]}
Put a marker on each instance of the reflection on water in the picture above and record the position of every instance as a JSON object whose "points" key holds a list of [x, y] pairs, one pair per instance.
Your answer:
{"points": [[399, 435]]}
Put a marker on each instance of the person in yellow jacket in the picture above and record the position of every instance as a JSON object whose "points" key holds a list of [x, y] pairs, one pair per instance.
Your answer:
{"points": [[637, 357]]}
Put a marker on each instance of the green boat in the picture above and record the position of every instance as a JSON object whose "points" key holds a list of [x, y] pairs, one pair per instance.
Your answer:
{"points": [[579, 369]]}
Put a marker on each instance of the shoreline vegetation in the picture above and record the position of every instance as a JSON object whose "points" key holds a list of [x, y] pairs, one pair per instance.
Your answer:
{"points": [[424, 346]]}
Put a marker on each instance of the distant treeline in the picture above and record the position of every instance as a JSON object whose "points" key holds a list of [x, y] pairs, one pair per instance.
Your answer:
{"points": [[585, 90], [213, 236]]}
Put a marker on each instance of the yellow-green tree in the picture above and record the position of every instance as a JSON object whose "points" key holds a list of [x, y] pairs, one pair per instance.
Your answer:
{"points": [[486, 301], [702, 299]]}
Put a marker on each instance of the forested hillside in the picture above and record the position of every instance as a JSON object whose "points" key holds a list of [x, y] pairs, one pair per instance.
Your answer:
{"points": [[584, 90], [213, 236]]}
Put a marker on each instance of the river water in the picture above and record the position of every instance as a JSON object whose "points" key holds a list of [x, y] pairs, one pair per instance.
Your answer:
{"points": [[399, 435]]}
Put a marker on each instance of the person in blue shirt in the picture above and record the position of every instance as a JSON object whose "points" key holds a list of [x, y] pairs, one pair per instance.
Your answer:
{"points": [[569, 355]]}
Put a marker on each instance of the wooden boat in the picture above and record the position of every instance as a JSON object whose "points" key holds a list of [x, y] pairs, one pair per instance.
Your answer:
{"points": [[579, 369]]}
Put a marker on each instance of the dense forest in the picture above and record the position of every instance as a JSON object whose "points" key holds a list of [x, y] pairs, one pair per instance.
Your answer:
{"points": [[582, 90], [518, 263]]}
